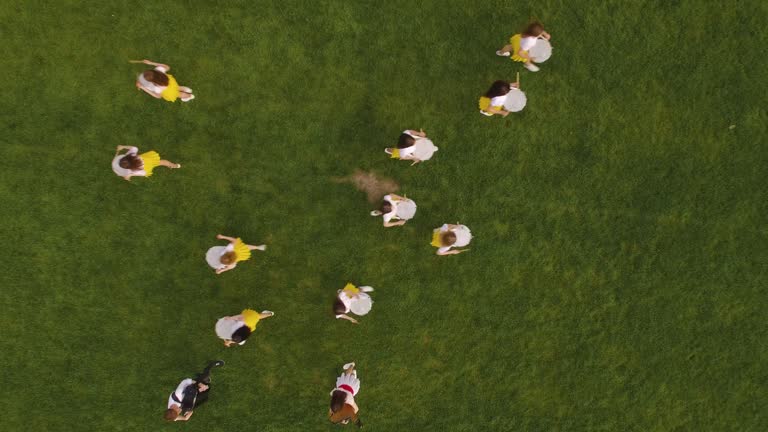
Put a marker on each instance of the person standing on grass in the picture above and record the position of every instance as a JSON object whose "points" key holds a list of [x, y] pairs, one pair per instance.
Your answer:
{"points": [[492, 102], [395, 207], [352, 299], [159, 84], [407, 146], [236, 329], [520, 44], [451, 236], [189, 394], [343, 407], [225, 258], [132, 164]]}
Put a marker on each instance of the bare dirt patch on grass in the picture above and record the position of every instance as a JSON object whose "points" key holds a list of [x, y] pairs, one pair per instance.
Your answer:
{"points": [[374, 185]]}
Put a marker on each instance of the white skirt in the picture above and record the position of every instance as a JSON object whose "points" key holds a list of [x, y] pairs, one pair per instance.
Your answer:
{"points": [[515, 101], [361, 304], [541, 51], [463, 236], [350, 380], [150, 85], [213, 256], [226, 326], [423, 149], [405, 209]]}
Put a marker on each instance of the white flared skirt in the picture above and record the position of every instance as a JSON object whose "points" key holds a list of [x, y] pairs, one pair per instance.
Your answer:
{"points": [[213, 256]]}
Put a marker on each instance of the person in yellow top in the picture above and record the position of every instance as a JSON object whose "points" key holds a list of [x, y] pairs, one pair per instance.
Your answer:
{"points": [[132, 164], [352, 299], [412, 145], [492, 102], [236, 329], [451, 236], [225, 258], [521, 43], [159, 84]]}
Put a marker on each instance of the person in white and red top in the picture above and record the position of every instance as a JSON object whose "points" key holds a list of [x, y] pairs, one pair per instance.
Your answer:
{"points": [[343, 407]]}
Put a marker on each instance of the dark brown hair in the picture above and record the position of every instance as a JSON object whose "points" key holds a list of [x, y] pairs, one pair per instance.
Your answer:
{"points": [[131, 162], [386, 207], [337, 400], [534, 29], [228, 258], [156, 77], [498, 88], [241, 334], [405, 141], [339, 307], [447, 238]]}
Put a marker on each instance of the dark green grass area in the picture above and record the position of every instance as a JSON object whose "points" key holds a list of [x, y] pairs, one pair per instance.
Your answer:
{"points": [[616, 282]]}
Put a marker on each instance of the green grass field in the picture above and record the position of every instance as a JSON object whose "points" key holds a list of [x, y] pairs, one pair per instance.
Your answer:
{"points": [[617, 279]]}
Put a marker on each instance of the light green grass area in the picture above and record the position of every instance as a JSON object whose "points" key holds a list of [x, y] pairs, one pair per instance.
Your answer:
{"points": [[616, 282]]}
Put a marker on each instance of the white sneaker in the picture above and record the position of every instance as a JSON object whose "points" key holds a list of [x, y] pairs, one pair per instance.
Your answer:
{"points": [[503, 54], [487, 114], [531, 67], [268, 312], [189, 98], [366, 289], [261, 247], [349, 365]]}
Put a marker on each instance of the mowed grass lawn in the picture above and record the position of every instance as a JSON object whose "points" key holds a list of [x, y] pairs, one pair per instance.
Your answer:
{"points": [[616, 282]]}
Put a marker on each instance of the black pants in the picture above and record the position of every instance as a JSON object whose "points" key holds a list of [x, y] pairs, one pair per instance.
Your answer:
{"points": [[202, 396], [205, 376]]}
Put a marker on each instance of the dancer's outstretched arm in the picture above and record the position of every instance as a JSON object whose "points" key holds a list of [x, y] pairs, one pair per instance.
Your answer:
{"points": [[348, 318], [151, 63]]}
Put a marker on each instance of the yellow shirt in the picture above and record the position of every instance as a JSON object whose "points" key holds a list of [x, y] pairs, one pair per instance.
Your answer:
{"points": [[251, 318], [351, 290]]}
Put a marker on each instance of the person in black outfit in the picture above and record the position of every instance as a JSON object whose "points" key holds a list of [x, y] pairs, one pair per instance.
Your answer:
{"points": [[189, 394]]}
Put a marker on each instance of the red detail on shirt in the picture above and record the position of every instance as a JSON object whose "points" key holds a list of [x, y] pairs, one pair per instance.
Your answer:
{"points": [[348, 388]]}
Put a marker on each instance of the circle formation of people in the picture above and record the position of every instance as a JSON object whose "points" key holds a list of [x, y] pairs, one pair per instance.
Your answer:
{"points": [[529, 47]]}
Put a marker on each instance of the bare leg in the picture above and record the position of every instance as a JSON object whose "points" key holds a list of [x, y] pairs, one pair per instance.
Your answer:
{"points": [[185, 89], [506, 49], [168, 164], [350, 370], [530, 65], [184, 96], [259, 247]]}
